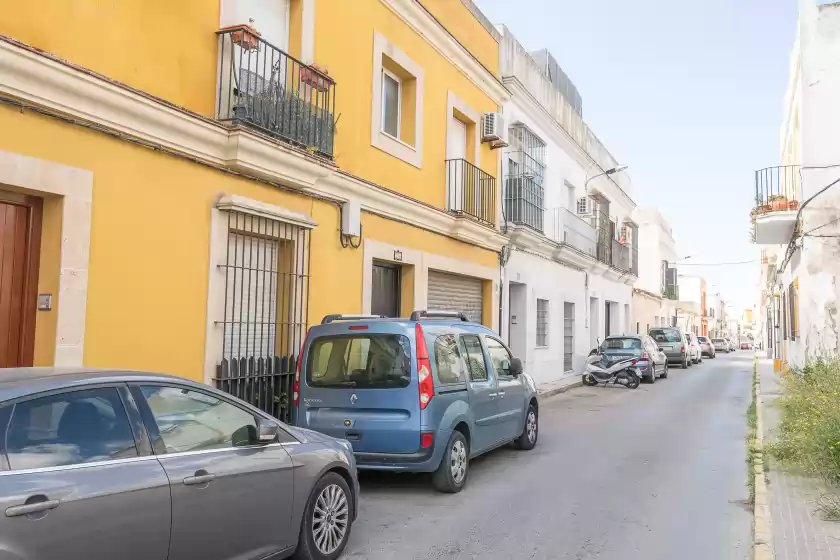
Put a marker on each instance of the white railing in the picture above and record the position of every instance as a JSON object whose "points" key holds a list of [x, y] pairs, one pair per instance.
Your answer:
{"points": [[567, 227]]}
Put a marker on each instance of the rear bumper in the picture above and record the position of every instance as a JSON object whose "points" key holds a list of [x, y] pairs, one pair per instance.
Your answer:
{"points": [[676, 357], [425, 460]]}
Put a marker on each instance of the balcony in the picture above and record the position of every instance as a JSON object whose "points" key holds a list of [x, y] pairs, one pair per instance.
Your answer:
{"points": [[774, 216], [471, 192], [264, 88], [671, 292], [567, 227]]}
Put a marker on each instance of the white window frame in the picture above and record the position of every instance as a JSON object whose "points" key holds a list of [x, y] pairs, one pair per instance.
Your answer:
{"points": [[571, 320], [545, 324], [389, 74]]}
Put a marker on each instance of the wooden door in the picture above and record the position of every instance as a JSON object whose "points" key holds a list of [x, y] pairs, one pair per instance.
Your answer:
{"points": [[20, 245], [386, 290]]}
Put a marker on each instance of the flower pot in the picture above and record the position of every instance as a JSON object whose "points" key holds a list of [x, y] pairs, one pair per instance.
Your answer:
{"points": [[244, 35], [314, 78], [779, 204], [793, 205], [764, 208]]}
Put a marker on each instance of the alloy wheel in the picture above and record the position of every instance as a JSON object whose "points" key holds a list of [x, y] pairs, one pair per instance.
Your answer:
{"points": [[458, 461], [531, 427], [330, 519]]}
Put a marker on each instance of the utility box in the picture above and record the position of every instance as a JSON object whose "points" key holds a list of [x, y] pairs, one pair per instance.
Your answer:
{"points": [[351, 219]]}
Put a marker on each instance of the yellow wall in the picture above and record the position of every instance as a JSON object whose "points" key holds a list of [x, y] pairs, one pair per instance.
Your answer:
{"points": [[350, 63], [147, 291], [48, 275], [460, 22], [166, 48]]}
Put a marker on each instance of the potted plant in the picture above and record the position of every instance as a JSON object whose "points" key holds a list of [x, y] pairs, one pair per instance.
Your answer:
{"points": [[244, 35], [315, 77], [793, 205], [778, 202]]}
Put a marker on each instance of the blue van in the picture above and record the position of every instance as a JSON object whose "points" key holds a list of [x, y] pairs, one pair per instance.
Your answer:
{"points": [[425, 394]]}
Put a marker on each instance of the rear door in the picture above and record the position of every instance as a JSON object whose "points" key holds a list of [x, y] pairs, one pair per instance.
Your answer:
{"points": [[621, 348], [78, 480], [360, 385], [483, 390]]}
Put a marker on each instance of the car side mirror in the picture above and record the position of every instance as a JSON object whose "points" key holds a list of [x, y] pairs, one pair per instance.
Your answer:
{"points": [[593, 351], [515, 367], [266, 431]]}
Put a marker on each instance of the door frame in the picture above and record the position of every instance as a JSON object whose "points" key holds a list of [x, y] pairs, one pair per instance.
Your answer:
{"points": [[35, 209]]}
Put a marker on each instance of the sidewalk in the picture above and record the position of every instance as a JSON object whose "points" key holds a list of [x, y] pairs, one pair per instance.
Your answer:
{"points": [[799, 532], [568, 381]]}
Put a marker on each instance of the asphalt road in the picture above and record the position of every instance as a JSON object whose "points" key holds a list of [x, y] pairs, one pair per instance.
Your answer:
{"points": [[655, 473]]}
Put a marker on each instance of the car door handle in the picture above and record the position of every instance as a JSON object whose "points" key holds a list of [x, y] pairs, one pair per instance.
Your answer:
{"points": [[501, 394], [203, 478], [492, 395], [26, 509]]}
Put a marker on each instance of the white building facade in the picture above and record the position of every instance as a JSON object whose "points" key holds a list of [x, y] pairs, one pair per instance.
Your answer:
{"points": [[691, 307], [568, 280], [796, 207], [655, 293]]}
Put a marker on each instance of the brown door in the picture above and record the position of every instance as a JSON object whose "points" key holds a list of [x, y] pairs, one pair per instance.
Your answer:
{"points": [[20, 244]]}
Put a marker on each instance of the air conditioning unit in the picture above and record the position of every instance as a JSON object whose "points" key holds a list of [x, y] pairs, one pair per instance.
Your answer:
{"points": [[493, 130], [586, 206]]}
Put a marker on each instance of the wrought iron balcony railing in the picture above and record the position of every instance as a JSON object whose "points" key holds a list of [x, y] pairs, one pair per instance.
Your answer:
{"points": [[671, 292], [777, 188], [471, 191], [262, 87], [524, 201]]}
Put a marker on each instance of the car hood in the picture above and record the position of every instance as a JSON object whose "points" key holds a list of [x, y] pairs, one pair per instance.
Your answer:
{"points": [[308, 436]]}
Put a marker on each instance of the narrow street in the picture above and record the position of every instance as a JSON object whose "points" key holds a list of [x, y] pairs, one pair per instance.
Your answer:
{"points": [[655, 473]]}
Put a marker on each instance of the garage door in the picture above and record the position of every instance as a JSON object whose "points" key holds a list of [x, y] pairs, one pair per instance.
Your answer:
{"points": [[451, 292]]}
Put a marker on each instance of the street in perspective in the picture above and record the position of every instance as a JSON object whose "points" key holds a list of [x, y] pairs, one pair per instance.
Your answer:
{"points": [[367, 279]]}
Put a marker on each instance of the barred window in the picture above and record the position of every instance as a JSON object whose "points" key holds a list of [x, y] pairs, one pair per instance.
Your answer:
{"points": [[569, 335], [266, 267], [542, 322]]}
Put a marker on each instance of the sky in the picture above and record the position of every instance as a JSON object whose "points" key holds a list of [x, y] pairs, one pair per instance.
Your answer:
{"points": [[690, 96]]}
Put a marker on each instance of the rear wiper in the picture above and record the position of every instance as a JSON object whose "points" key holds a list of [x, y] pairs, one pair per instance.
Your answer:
{"points": [[339, 384]]}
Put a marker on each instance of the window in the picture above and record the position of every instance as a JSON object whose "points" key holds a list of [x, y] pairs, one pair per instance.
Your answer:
{"points": [[621, 344], [792, 310], [666, 335], [391, 103], [377, 361], [448, 362], [637, 327], [475, 357], [784, 316], [195, 421], [569, 335], [69, 429], [571, 198], [499, 356], [542, 322]]}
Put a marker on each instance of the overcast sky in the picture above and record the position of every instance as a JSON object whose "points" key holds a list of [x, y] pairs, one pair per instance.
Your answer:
{"points": [[689, 95]]}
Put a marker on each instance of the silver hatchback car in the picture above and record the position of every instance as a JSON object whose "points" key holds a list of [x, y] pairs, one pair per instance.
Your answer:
{"points": [[110, 464]]}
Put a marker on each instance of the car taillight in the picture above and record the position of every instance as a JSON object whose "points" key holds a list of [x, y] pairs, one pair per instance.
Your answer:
{"points": [[296, 393], [425, 384], [682, 349], [645, 356]]}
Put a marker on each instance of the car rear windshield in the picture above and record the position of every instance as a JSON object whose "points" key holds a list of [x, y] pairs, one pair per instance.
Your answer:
{"points": [[718, 340], [702, 339], [621, 344], [369, 361], [665, 335]]}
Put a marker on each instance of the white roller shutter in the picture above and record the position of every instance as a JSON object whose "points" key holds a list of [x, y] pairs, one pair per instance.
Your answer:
{"points": [[450, 292]]}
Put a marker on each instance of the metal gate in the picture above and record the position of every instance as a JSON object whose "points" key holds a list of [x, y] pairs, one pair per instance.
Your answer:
{"points": [[266, 300], [385, 299], [455, 293]]}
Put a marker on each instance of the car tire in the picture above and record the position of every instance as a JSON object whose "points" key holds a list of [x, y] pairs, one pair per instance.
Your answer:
{"points": [[652, 377], [664, 374], [333, 493], [527, 440], [451, 475], [685, 363]]}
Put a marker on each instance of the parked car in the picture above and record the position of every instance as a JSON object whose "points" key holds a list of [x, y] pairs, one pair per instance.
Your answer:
{"points": [[706, 346], [652, 361], [673, 343], [721, 345], [425, 394], [150, 461], [746, 345], [732, 344], [695, 354]]}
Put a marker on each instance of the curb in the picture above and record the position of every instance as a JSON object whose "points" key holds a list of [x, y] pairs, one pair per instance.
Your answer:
{"points": [[762, 525], [559, 390]]}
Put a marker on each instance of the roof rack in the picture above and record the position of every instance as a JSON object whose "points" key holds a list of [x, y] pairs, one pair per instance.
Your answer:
{"points": [[423, 314], [342, 317]]}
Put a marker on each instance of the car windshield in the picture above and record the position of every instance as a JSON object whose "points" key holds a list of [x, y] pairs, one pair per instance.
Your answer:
{"points": [[621, 344], [666, 335], [370, 361]]}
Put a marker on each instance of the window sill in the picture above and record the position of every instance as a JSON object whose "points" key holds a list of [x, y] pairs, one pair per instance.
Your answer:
{"points": [[390, 136], [397, 148]]}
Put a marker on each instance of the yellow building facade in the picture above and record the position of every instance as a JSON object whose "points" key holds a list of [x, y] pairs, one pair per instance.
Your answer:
{"points": [[195, 183]]}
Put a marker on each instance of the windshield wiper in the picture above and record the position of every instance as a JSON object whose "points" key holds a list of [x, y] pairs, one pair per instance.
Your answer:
{"points": [[338, 384]]}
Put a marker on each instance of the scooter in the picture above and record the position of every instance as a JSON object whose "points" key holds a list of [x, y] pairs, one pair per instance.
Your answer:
{"points": [[599, 370]]}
